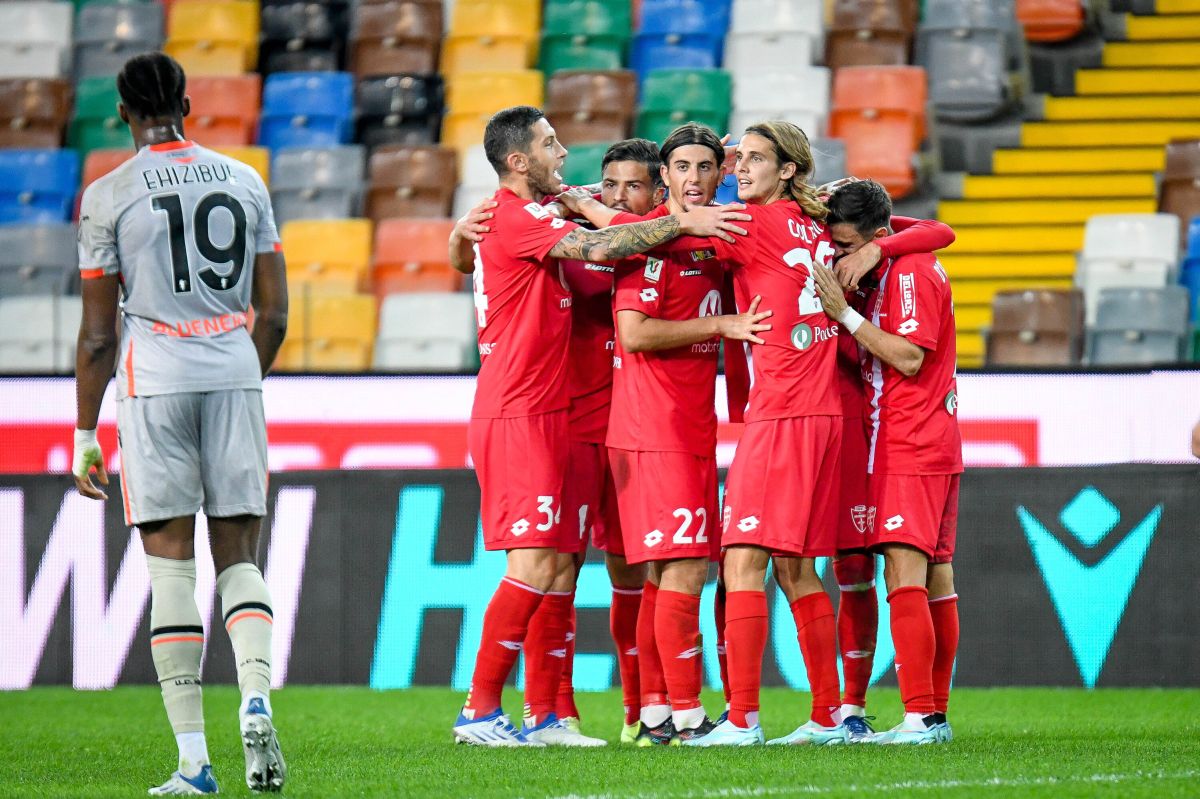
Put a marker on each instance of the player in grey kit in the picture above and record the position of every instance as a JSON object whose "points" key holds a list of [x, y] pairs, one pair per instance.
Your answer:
{"points": [[180, 242]]}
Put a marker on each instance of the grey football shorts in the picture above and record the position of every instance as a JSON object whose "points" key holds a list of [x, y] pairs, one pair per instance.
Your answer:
{"points": [[184, 452]]}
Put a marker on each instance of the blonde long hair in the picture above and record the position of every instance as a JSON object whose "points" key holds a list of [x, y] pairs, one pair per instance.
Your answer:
{"points": [[791, 145]]}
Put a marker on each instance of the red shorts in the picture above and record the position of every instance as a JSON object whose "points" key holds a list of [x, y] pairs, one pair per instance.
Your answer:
{"points": [[589, 500], [918, 510], [852, 501], [520, 463], [668, 504], [781, 493]]}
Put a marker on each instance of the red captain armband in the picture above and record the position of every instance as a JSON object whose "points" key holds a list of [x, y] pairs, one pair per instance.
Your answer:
{"points": [[90, 274], [279, 246]]}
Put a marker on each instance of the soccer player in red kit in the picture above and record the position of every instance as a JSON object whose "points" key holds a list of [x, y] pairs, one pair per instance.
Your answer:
{"points": [[777, 500], [914, 455], [518, 434]]}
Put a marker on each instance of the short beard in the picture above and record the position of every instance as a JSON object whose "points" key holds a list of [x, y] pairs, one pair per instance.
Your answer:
{"points": [[541, 181]]}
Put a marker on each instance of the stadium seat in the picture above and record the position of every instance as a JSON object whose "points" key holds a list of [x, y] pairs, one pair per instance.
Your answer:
{"points": [[584, 35], [1189, 278], [95, 124], [675, 34], [486, 53], [411, 182], [426, 333], [870, 89], [868, 32], [1126, 251], [671, 97], [1038, 327], [800, 96], [752, 52], [37, 259], [335, 167], [109, 34], [476, 170], [329, 332], [472, 98], [224, 109], [257, 158], [964, 47], [1138, 326], [307, 109], [411, 256], [33, 112], [489, 19], [582, 167], [35, 39], [879, 113], [330, 256], [400, 109], [396, 37], [38, 334], [37, 185], [99, 163], [1051, 20], [829, 161], [1180, 190], [214, 37], [778, 16], [591, 106], [302, 37]]}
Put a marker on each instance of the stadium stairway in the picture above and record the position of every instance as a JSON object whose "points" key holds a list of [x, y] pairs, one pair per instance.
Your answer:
{"points": [[1092, 153]]}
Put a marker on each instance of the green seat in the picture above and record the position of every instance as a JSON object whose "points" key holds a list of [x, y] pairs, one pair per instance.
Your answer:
{"points": [[583, 164], [671, 97], [81, 3], [95, 124], [599, 53], [657, 126], [1196, 344], [587, 18]]}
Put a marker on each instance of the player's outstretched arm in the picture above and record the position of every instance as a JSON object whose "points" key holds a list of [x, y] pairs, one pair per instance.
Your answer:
{"points": [[896, 351], [270, 301], [579, 200], [642, 333], [95, 359], [911, 236], [469, 231], [621, 241]]}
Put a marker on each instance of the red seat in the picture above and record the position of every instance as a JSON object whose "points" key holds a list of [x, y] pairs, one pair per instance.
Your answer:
{"points": [[225, 110], [412, 255], [870, 32], [1051, 20], [391, 38], [412, 181], [585, 106], [897, 88]]}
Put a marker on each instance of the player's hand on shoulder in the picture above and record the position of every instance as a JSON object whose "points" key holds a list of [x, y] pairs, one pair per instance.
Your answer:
{"points": [[575, 197], [852, 268], [474, 224], [744, 326], [824, 191], [829, 291], [88, 455], [714, 220]]}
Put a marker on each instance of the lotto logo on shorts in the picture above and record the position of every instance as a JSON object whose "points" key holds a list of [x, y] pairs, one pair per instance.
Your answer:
{"points": [[894, 523], [520, 527], [907, 326], [858, 516], [747, 524], [653, 538], [649, 295]]}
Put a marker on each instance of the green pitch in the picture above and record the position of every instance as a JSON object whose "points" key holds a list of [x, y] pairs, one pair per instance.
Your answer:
{"points": [[356, 742]]}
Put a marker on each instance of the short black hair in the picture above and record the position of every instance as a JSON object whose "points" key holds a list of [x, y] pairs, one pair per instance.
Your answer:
{"points": [[152, 86], [643, 151], [692, 133], [864, 204], [509, 131]]}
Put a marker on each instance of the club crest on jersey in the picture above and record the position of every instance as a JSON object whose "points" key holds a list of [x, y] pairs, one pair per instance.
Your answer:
{"points": [[703, 255], [951, 402], [858, 516], [654, 267], [908, 295]]}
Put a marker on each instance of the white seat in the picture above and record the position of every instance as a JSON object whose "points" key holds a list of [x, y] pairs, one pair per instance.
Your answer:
{"points": [[38, 333], [801, 93], [1126, 251], [777, 16], [467, 197], [811, 124], [476, 168], [35, 38], [752, 52], [426, 331]]}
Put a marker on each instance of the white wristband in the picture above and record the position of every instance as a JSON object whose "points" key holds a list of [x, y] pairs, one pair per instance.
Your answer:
{"points": [[852, 319], [84, 437]]}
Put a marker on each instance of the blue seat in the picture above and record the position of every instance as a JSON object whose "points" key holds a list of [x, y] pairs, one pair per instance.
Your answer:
{"points": [[37, 185], [1189, 276], [673, 51], [679, 34], [307, 109], [664, 15], [1193, 247]]}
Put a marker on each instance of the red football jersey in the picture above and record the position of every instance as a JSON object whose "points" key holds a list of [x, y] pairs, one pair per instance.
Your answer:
{"points": [[914, 420], [665, 401], [523, 312], [849, 370], [589, 365], [795, 371]]}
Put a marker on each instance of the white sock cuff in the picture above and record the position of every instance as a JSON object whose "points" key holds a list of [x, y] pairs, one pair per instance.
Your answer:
{"points": [[945, 598], [627, 591], [856, 587], [170, 567]]}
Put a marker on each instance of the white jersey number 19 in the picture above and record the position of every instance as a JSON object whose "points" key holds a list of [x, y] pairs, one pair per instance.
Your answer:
{"points": [[232, 253]]}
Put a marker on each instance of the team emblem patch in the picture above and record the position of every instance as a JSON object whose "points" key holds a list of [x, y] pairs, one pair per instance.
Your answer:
{"points": [[726, 515], [858, 516], [653, 272], [871, 518], [951, 402], [802, 336], [703, 255]]}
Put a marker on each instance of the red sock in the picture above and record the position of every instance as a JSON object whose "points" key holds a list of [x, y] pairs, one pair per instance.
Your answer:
{"points": [[817, 633], [722, 659], [858, 624], [745, 642], [545, 652], [505, 622], [623, 623], [944, 612], [912, 633], [650, 670], [565, 705], [677, 631]]}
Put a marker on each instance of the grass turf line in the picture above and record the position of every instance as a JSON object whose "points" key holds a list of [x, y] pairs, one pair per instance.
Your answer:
{"points": [[55, 742]]}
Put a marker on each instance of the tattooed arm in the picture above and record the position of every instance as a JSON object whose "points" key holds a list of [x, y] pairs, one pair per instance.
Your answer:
{"points": [[621, 241]]}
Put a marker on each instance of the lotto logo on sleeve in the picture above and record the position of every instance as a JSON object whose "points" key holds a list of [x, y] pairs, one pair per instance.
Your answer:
{"points": [[908, 295], [649, 295], [908, 326]]}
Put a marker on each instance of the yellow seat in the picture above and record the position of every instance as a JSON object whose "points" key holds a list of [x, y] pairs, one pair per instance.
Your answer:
{"points": [[488, 18], [257, 158], [329, 332], [474, 54], [215, 23], [327, 256], [472, 98], [209, 60]]}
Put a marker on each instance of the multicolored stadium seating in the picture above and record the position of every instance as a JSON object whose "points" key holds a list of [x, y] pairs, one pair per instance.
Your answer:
{"points": [[1061, 139]]}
